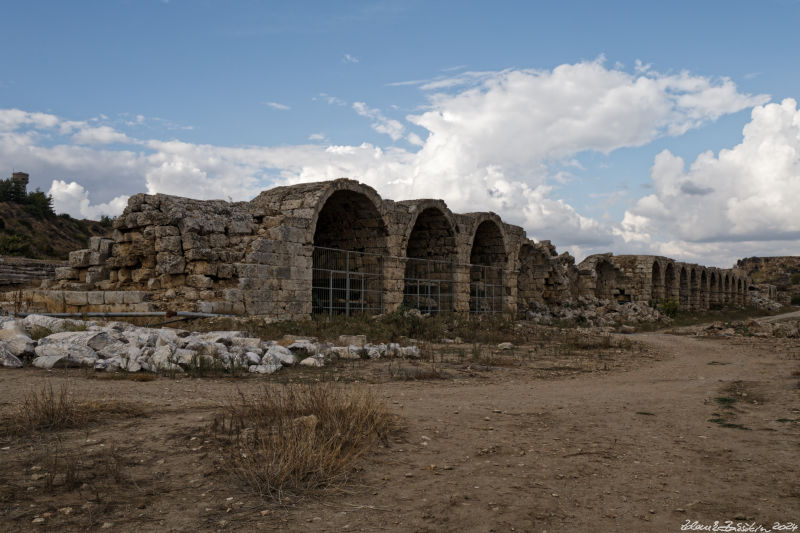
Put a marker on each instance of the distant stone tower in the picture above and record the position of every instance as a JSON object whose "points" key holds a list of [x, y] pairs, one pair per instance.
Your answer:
{"points": [[20, 180]]}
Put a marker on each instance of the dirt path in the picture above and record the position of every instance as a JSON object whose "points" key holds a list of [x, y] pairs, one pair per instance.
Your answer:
{"points": [[625, 451]]}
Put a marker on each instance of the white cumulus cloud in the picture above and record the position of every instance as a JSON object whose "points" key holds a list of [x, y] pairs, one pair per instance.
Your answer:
{"points": [[744, 194], [72, 198]]}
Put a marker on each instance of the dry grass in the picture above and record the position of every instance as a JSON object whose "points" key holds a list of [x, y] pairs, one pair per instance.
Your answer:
{"points": [[287, 441], [48, 410]]}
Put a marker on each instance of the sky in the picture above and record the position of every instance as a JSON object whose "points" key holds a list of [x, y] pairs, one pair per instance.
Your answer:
{"points": [[667, 128]]}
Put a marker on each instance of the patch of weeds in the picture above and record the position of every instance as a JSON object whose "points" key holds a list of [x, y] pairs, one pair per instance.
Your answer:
{"points": [[39, 332], [400, 372], [288, 441], [68, 469], [645, 413], [46, 410], [718, 363], [724, 423], [725, 401], [784, 420]]}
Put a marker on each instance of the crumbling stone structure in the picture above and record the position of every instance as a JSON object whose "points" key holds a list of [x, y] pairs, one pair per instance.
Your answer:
{"points": [[338, 247]]}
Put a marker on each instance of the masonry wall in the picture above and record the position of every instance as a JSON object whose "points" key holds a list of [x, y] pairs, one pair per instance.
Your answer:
{"points": [[258, 258]]}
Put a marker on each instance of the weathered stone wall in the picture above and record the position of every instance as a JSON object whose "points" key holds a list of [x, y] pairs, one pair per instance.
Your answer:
{"points": [[23, 271], [258, 258]]}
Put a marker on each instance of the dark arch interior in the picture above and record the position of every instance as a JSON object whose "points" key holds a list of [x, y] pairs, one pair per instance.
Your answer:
{"points": [[693, 289], [349, 245], [487, 261], [703, 292], [713, 289], [429, 269], [350, 221], [669, 281], [684, 290], [656, 283], [606, 280]]}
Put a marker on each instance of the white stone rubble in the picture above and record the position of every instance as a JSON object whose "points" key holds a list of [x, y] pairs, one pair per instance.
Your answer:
{"points": [[117, 346]]}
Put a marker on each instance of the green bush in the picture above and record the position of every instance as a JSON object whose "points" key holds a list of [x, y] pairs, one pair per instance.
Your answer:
{"points": [[796, 299], [669, 307], [14, 245], [795, 279]]}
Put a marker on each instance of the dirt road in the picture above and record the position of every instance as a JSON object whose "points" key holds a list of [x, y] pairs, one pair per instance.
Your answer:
{"points": [[708, 430]]}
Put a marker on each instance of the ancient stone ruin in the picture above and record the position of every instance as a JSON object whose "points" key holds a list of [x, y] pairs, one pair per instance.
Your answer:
{"points": [[337, 247]]}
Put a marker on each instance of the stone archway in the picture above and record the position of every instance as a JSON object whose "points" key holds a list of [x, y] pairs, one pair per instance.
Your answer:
{"points": [[669, 281], [702, 293], [487, 260], [349, 249], [656, 284], [431, 252], [684, 294]]}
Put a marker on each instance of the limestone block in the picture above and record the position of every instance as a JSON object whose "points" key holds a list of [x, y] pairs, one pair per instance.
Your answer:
{"points": [[170, 243], [198, 254], [113, 297], [169, 263], [95, 297], [84, 258], [166, 231], [199, 281], [140, 275], [75, 298], [66, 273], [96, 273], [225, 271], [133, 297]]}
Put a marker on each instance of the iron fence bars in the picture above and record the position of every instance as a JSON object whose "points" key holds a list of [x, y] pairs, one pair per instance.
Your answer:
{"points": [[428, 285], [346, 282], [486, 289]]}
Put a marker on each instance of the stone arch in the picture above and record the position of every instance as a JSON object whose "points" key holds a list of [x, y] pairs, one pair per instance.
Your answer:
{"points": [[703, 292], [669, 281], [605, 281], [693, 289], [488, 259], [684, 294], [349, 220], [740, 291], [656, 283], [713, 291], [431, 251], [350, 242], [726, 289]]}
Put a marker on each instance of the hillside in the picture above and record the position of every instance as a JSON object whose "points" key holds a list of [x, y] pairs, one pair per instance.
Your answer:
{"points": [[783, 272], [26, 233]]}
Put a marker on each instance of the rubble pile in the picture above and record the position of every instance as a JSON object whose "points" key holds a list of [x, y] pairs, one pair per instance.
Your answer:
{"points": [[596, 313], [115, 346], [749, 328]]}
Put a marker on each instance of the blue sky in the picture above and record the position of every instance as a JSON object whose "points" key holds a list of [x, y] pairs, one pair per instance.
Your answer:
{"points": [[104, 99]]}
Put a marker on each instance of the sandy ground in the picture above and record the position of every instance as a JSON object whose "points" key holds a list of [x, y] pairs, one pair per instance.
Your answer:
{"points": [[641, 445]]}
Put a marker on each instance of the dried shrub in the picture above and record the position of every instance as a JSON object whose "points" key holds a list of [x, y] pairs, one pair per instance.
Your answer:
{"points": [[47, 410], [287, 441]]}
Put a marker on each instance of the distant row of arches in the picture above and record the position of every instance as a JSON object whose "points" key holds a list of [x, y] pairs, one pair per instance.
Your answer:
{"points": [[696, 287], [375, 255]]}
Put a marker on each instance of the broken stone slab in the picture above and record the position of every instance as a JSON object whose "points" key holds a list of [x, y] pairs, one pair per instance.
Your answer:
{"points": [[264, 369], [64, 355], [96, 340], [313, 362], [282, 354], [8, 359], [303, 348], [54, 324], [16, 340], [505, 345]]}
